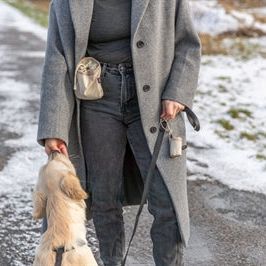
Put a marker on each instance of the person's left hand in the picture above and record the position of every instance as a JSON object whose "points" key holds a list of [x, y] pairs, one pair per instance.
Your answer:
{"points": [[170, 109]]}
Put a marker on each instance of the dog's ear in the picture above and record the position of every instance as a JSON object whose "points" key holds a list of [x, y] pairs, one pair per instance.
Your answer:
{"points": [[70, 185]]}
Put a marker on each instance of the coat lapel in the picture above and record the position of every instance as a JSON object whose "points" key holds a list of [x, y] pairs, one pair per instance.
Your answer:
{"points": [[137, 11], [81, 14]]}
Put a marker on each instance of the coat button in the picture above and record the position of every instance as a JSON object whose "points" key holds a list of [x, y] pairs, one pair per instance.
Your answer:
{"points": [[146, 88], [153, 129], [140, 44]]}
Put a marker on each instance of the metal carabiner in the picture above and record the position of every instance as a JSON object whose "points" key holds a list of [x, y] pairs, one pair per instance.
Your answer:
{"points": [[165, 125]]}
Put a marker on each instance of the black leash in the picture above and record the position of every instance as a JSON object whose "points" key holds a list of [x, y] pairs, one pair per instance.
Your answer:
{"points": [[192, 118]]}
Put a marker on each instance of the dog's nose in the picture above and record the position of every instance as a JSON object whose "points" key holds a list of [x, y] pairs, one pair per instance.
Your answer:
{"points": [[53, 154]]}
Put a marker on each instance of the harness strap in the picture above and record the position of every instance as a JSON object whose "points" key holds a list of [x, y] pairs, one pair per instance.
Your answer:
{"points": [[59, 255], [60, 250]]}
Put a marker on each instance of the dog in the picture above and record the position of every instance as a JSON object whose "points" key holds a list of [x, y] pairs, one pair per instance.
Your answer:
{"points": [[59, 196]]}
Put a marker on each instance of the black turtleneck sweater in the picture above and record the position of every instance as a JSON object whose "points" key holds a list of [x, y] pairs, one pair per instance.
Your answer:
{"points": [[109, 37]]}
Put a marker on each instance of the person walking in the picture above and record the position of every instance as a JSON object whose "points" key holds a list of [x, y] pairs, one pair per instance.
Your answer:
{"points": [[150, 55]]}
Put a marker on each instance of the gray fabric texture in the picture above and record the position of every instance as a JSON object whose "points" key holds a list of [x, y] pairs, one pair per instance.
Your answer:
{"points": [[166, 56], [109, 36]]}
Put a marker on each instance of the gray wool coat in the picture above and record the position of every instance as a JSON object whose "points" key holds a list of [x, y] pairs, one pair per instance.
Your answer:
{"points": [[167, 60]]}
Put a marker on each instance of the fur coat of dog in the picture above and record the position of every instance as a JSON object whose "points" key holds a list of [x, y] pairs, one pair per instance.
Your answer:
{"points": [[58, 195]]}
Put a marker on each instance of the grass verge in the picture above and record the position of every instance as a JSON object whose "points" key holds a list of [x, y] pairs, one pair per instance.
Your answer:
{"points": [[31, 10]]}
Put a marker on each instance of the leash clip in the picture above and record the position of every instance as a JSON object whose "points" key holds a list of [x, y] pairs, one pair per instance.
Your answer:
{"points": [[165, 125]]}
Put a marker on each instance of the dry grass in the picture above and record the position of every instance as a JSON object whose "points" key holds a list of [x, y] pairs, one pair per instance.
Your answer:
{"points": [[259, 17], [36, 10], [242, 4], [243, 32], [40, 4], [212, 44]]}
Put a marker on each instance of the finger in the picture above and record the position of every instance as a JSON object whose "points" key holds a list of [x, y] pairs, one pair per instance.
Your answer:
{"points": [[177, 111], [170, 111], [63, 149], [54, 147], [168, 117], [163, 111], [47, 150]]}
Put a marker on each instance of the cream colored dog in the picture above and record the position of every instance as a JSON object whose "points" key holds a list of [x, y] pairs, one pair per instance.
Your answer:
{"points": [[59, 195]]}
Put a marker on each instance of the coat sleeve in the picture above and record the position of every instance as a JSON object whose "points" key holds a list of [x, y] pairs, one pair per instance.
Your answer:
{"points": [[56, 97], [183, 77]]}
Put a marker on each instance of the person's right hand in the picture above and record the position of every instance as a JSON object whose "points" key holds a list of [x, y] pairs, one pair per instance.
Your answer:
{"points": [[54, 144]]}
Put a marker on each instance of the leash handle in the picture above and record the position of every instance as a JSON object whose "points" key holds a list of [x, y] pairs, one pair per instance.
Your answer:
{"points": [[157, 147], [192, 118]]}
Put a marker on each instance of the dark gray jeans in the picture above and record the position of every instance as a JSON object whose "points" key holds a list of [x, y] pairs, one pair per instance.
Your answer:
{"points": [[106, 124]]}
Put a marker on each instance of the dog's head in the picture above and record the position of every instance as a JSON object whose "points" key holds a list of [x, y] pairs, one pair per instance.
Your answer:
{"points": [[60, 173], [56, 177], [62, 160]]}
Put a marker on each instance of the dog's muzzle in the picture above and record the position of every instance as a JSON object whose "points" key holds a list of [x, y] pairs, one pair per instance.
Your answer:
{"points": [[53, 154]]}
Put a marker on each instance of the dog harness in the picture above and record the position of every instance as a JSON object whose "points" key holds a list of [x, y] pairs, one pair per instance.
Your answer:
{"points": [[61, 249]]}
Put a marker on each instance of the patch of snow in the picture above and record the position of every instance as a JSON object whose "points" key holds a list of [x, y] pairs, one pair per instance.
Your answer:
{"points": [[211, 18], [258, 41], [259, 11], [14, 114], [243, 18], [247, 20], [260, 26], [228, 84]]}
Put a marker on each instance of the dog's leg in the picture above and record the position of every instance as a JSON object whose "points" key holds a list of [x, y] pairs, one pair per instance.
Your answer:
{"points": [[39, 205], [39, 197], [44, 256], [70, 185], [39, 200]]}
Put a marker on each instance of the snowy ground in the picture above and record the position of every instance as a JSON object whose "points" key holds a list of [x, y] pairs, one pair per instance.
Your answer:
{"points": [[212, 18], [230, 103]]}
